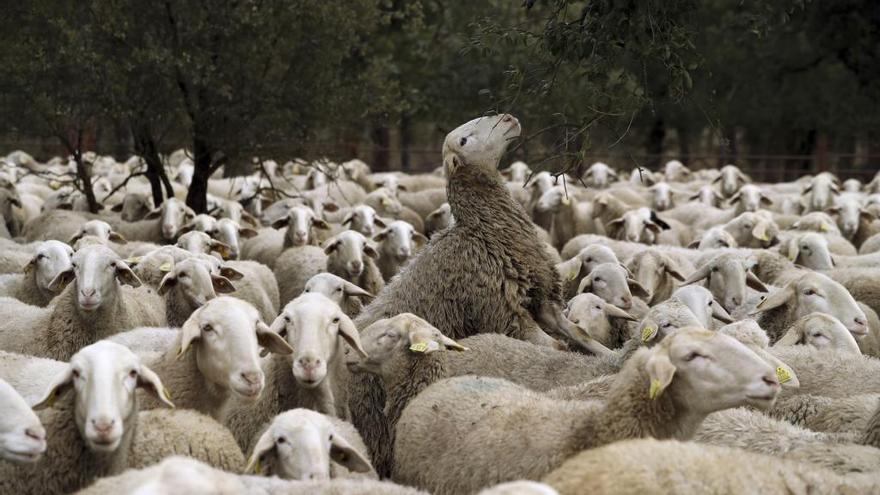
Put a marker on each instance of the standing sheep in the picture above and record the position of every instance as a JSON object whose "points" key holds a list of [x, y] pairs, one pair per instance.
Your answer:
{"points": [[351, 256], [32, 286]]}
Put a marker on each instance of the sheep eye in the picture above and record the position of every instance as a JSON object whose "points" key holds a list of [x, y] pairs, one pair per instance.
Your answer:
{"points": [[76, 373], [809, 292], [207, 328], [666, 325], [183, 275], [133, 373], [339, 289], [73, 265], [462, 141], [691, 356], [710, 303], [287, 318], [280, 440], [336, 320], [597, 279], [307, 290], [589, 260], [598, 307], [715, 269], [41, 256]]}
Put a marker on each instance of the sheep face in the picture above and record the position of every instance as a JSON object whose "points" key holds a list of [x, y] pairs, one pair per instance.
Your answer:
{"points": [[651, 269], [479, 143], [749, 198], [99, 229], [22, 437], [540, 183], [438, 219], [201, 243], [810, 250], [594, 255], [611, 282], [715, 238], [299, 445], [399, 241], [229, 333], [103, 378], [728, 277], [591, 314], [821, 192], [661, 196], [134, 207], [174, 215], [640, 225], [664, 319], [230, 233], [731, 178], [334, 288], [708, 372], [599, 175], [300, 222], [315, 327], [753, 230], [821, 331], [517, 172], [194, 282], [675, 171], [347, 250], [363, 219], [51, 258], [403, 335], [702, 304], [814, 292], [707, 195], [553, 199], [201, 223], [97, 272], [849, 216]]}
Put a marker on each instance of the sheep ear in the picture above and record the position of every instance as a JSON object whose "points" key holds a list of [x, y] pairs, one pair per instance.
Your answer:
{"points": [[793, 249], [222, 284], [149, 381], [349, 332], [866, 215], [754, 282], [231, 273], [381, 236], [343, 453], [247, 217], [760, 231], [126, 276], [766, 201], [613, 311], [117, 208], [320, 224], [369, 251], [660, 223], [733, 199], [154, 213], [348, 219], [189, 332], [29, 265], [247, 232], [672, 268], [569, 270], [637, 288], [117, 238], [792, 337], [586, 285], [419, 239], [648, 331], [265, 445], [661, 370], [721, 314], [694, 245], [716, 180], [330, 206], [353, 290], [775, 299], [168, 281], [281, 222], [222, 248], [379, 222], [331, 246], [61, 383], [61, 280], [272, 341], [79, 235]]}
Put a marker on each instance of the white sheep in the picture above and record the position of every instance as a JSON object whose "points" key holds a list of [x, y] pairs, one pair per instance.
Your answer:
{"points": [[189, 285], [344, 293], [22, 436], [32, 286], [90, 423], [396, 244], [821, 331], [306, 445], [93, 305], [351, 256]]}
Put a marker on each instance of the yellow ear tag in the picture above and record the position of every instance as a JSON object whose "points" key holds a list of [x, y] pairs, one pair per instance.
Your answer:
{"points": [[655, 389], [419, 347], [783, 375], [824, 227], [792, 255], [258, 467], [165, 267], [55, 185], [134, 260], [52, 399], [765, 237], [647, 332], [572, 275], [167, 394]]}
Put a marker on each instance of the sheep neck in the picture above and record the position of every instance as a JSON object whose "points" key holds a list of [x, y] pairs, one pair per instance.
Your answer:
{"points": [[871, 435], [189, 387], [412, 374], [563, 223], [478, 199], [178, 308], [630, 413], [287, 393]]}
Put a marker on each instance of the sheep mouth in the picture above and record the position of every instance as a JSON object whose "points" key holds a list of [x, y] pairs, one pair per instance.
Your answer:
{"points": [[89, 305], [25, 455], [105, 445], [762, 401]]}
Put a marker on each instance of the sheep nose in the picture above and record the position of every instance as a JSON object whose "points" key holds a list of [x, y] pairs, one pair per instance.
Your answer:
{"points": [[734, 301], [251, 377], [626, 302], [771, 379], [357, 266], [103, 425], [860, 321], [88, 291], [309, 362], [507, 118]]}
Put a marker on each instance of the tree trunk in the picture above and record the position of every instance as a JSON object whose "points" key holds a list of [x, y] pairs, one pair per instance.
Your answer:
{"points": [[684, 144], [146, 148], [655, 144], [196, 198], [83, 173], [381, 138]]}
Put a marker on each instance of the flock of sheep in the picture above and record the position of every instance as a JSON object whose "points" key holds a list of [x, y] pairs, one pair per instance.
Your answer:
{"points": [[324, 327]]}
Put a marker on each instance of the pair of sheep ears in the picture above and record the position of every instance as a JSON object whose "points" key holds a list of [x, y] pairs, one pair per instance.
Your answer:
{"points": [[660, 371], [271, 341], [147, 380], [341, 452]]}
